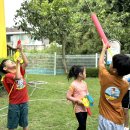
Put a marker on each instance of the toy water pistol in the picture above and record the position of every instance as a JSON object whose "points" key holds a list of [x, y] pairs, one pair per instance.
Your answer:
{"points": [[128, 80], [87, 102], [17, 53]]}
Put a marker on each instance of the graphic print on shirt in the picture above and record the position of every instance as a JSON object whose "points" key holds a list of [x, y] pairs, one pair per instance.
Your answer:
{"points": [[112, 93], [20, 84]]}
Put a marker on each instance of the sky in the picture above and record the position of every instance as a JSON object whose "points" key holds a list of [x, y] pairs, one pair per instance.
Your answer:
{"points": [[10, 10]]}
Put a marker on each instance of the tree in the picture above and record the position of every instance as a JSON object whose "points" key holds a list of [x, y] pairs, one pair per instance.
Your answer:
{"points": [[122, 9], [68, 23], [114, 17], [48, 19]]}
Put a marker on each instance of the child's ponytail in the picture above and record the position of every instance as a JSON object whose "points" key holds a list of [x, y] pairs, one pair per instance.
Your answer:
{"points": [[71, 72], [74, 71]]}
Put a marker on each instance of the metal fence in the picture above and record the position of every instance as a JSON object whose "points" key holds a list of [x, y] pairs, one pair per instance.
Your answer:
{"points": [[52, 63], [40, 63]]}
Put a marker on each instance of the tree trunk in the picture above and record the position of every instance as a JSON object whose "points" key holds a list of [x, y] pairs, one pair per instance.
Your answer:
{"points": [[63, 40]]}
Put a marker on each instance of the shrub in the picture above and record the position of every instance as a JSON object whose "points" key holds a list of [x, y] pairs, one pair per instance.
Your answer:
{"points": [[50, 49], [92, 72]]}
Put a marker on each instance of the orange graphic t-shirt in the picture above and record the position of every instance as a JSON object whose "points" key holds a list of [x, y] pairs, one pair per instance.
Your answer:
{"points": [[113, 89], [79, 91]]}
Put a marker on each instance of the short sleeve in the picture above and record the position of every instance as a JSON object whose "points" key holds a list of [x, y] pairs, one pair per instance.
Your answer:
{"points": [[9, 78], [71, 90], [8, 81]]}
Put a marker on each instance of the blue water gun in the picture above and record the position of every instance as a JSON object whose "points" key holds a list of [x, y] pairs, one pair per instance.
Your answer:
{"points": [[90, 99], [128, 80]]}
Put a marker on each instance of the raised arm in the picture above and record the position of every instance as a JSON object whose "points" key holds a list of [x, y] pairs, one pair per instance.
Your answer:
{"points": [[18, 73], [102, 55], [25, 60]]}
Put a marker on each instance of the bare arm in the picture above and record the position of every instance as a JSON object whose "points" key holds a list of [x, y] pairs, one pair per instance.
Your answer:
{"points": [[71, 98], [18, 73], [102, 55], [25, 60]]}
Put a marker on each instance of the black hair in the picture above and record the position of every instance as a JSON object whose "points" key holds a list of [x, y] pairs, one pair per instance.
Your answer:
{"points": [[2, 71], [2, 65], [74, 71], [121, 63]]}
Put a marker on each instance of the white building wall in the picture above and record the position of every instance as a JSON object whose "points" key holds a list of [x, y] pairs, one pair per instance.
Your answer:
{"points": [[26, 41]]}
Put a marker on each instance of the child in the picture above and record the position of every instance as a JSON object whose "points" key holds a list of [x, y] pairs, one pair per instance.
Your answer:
{"points": [[111, 112], [77, 91], [16, 87], [126, 104]]}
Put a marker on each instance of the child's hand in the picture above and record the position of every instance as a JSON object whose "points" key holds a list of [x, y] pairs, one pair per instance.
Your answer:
{"points": [[19, 60], [105, 47], [19, 46]]}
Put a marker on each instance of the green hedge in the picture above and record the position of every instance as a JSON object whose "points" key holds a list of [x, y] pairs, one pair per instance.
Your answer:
{"points": [[92, 72]]}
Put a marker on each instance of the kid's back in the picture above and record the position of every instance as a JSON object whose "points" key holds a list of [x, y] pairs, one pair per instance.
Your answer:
{"points": [[112, 91]]}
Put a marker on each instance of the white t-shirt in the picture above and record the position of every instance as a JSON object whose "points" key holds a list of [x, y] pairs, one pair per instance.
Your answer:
{"points": [[127, 78]]}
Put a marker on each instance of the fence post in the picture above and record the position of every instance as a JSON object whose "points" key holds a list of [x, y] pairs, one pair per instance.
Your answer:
{"points": [[54, 63], [96, 60]]}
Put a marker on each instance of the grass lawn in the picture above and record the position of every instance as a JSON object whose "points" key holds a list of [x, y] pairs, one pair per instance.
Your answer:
{"points": [[48, 108]]}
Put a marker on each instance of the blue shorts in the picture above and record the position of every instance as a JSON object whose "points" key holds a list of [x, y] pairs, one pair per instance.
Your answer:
{"points": [[17, 115], [105, 124]]}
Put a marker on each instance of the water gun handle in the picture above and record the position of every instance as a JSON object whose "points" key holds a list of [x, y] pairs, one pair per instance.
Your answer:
{"points": [[17, 53], [128, 80], [90, 99], [89, 111], [86, 103]]}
